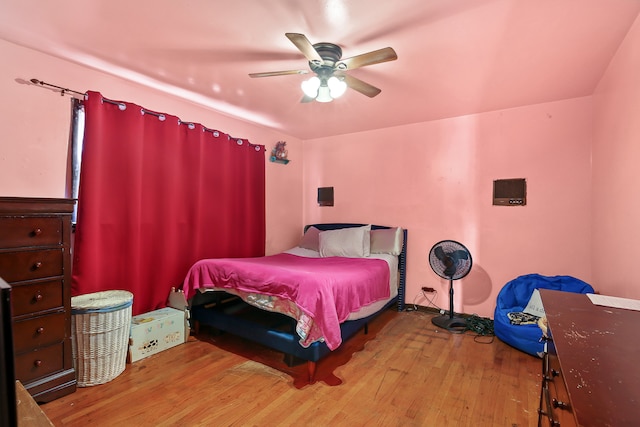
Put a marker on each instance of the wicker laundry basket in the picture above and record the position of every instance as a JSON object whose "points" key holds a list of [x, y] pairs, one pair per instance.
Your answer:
{"points": [[100, 327]]}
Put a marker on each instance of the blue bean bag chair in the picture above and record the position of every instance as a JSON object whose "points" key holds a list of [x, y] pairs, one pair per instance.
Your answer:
{"points": [[515, 295]]}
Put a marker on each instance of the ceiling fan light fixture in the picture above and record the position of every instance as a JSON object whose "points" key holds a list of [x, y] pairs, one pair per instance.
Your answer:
{"points": [[310, 87], [324, 94], [324, 90], [337, 87]]}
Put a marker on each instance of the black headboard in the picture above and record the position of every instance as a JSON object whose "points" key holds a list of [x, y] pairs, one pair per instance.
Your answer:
{"points": [[402, 258]]}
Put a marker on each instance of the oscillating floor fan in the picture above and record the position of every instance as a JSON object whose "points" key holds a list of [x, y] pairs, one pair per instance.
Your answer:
{"points": [[450, 260]]}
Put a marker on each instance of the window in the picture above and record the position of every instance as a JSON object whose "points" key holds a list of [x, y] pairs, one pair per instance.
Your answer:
{"points": [[76, 139]]}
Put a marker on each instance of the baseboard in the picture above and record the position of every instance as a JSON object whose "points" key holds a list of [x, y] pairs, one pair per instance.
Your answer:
{"points": [[421, 308]]}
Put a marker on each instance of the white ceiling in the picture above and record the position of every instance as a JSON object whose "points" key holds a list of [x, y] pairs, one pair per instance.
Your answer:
{"points": [[455, 57]]}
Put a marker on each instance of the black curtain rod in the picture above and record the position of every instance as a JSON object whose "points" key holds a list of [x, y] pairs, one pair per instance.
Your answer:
{"points": [[63, 90]]}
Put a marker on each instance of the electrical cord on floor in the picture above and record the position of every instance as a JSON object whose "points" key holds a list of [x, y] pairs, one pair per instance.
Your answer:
{"points": [[482, 327], [431, 303]]}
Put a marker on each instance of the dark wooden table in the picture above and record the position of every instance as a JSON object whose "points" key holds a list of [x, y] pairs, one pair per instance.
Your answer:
{"points": [[29, 413], [599, 353]]}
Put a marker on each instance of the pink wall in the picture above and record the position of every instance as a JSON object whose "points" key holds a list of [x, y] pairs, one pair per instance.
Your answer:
{"points": [[435, 179], [616, 156], [35, 132]]}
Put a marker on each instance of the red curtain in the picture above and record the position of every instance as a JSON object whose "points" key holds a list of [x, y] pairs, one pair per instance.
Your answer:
{"points": [[156, 195]]}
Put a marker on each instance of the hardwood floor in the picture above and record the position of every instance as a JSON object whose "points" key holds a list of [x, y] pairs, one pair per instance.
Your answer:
{"points": [[406, 372]]}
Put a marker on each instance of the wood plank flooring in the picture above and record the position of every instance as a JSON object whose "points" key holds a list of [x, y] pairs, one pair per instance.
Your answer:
{"points": [[406, 372]]}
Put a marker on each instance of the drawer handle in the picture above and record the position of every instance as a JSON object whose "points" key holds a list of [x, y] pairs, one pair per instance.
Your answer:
{"points": [[40, 330], [553, 373], [37, 232], [552, 422], [37, 265], [38, 297], [37, 363], [559, 404]]}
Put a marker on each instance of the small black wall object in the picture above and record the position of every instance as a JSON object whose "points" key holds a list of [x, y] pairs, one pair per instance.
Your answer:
{"points": [[325, 196], [510, 192]]}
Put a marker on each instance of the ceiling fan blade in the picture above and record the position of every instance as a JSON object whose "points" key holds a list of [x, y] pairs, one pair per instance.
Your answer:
{"points": [[278, 73], [360, 86], [304, 45], [306, 99], [374, 57]]}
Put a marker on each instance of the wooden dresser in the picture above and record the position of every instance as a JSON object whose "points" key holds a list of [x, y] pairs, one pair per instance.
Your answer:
{"points": [[591, 376], [35, 258]]}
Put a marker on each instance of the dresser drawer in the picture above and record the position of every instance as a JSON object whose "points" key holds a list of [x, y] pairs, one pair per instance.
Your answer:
{"points": [[559, 397], [18, 232], [38, 331], [556, 407], [29, 265], [39, 363], [34, 297]]}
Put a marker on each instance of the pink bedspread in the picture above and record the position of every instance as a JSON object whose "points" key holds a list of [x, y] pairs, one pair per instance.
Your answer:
{"points": [[326, 289]]}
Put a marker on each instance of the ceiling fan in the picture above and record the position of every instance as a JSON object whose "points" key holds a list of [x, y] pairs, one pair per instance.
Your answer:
{"points": [[331, 79]]}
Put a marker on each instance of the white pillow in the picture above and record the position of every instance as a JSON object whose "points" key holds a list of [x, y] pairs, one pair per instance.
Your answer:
{"points": [[534, 306], [387, 241], [352, 242]]}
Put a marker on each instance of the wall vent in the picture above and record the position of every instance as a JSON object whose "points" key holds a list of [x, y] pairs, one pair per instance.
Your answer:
{"points": [[510, 192]]}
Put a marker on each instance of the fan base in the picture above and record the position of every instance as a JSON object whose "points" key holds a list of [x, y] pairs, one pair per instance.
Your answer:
{"points": [[453, 324]]}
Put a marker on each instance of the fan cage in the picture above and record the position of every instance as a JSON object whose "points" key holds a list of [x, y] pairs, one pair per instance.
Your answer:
{"points": [[449, 246]]}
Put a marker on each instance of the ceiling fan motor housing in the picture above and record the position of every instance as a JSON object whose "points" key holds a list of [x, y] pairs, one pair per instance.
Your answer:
{"points": [[330, 54]]}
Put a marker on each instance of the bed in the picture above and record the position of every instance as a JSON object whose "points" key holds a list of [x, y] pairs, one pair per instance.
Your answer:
{"points": [[305, 301]]}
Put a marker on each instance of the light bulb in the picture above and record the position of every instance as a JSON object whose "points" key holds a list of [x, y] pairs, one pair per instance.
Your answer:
{"points": [[337, 87], [310, 87], [323, 94]]}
